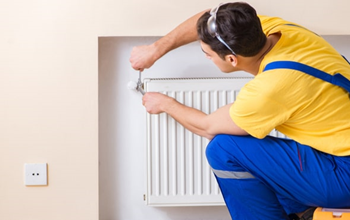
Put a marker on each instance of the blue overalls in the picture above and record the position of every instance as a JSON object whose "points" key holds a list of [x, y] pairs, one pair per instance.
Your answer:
{"points": [[273, 177]]}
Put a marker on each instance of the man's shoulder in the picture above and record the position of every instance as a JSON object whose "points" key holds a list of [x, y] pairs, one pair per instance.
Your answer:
{"points": [[273, 24]]}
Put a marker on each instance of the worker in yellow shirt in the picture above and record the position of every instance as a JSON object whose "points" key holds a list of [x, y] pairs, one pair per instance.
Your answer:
{"points": [[300, 88]]}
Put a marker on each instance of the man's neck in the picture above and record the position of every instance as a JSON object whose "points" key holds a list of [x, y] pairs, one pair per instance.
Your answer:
{"points": [[252, 64]]}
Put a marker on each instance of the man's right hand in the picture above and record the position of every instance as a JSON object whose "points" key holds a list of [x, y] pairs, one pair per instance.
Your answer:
{"points": [[143, 57]]}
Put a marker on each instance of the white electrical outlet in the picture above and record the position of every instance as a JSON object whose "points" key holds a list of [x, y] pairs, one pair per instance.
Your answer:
{"points": [[35, 174]]}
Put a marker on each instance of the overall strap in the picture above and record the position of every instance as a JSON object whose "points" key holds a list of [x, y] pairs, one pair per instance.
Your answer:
{"points": [[336, 79]]}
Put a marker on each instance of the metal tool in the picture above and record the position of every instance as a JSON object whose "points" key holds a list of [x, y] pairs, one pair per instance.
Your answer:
{"points": [[139, 86]]}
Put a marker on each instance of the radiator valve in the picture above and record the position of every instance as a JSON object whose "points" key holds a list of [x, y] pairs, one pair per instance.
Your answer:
{"points": [[138, 86], [132, 85]]}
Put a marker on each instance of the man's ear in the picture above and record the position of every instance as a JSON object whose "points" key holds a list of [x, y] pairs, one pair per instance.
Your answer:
{"points": [[232, 59]]}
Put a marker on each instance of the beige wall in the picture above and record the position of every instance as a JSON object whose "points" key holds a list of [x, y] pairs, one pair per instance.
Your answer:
{"points": [[48, 109], [49, 88]]}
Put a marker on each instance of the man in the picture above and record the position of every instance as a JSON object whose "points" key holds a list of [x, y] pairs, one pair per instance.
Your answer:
{"points": [[263, 177]]}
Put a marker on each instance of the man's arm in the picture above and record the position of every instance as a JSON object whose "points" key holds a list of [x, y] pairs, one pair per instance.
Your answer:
{"points": [[145, 56], [218, 122]]}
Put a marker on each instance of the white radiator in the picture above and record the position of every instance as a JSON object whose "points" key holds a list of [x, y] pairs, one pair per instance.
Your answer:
{"points": [[177, 170]]}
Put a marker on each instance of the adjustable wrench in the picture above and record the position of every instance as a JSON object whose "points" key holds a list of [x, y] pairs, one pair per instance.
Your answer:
{"points": [[139, 86]]}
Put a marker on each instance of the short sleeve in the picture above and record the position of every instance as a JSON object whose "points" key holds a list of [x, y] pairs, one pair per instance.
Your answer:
{"points": [[258, 110]]}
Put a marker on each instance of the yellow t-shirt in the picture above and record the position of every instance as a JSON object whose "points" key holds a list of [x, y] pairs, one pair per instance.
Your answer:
{"points": [[306, 109]]}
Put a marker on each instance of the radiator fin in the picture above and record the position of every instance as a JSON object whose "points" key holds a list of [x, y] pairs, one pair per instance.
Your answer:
{"points": [[177, 170]]}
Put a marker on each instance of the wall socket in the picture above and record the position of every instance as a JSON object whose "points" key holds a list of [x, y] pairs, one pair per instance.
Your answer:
{"points": [[35, 174]]}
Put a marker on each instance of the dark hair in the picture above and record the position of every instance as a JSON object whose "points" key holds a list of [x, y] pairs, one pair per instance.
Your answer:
{"points": [[238, 25]]}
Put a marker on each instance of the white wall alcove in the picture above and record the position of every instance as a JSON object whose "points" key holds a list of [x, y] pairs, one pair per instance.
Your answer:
{"points": [[122, 126]]}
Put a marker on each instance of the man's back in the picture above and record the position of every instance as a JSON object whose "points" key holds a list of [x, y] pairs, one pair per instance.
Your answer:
{"points": [[306, 109]]}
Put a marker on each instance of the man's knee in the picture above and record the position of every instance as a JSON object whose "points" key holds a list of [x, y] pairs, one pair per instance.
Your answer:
{"points": [[223, 154], [218, 149]]}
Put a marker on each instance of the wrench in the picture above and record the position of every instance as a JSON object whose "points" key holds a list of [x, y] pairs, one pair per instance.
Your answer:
{"points": [[139, 86]]}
